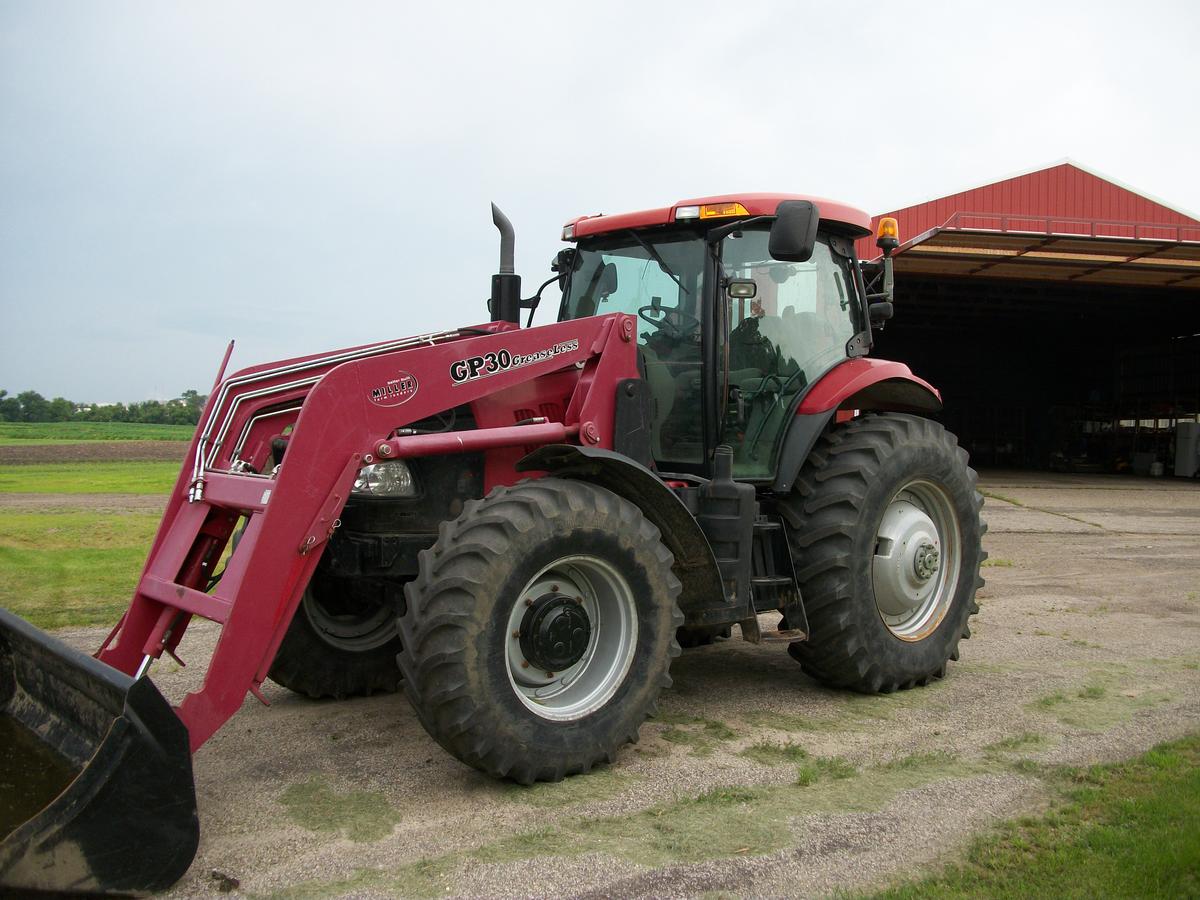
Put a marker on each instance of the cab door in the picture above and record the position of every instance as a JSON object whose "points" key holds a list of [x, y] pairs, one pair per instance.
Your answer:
{"points": [[794, 330]]}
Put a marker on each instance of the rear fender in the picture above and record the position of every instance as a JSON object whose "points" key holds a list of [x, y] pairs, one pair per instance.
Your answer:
{"points": [[694, 562], [861, 384]]}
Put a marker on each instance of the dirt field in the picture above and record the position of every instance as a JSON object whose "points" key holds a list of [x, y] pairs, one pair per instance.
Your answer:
{"points": [[1087, 649], [91, 451]]}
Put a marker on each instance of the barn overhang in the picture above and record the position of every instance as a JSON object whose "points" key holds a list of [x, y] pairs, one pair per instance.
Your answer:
{"points": [[1045, 249]]}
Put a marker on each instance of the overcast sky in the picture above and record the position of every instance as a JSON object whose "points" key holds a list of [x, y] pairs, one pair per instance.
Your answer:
{"points": [[304, 176]]}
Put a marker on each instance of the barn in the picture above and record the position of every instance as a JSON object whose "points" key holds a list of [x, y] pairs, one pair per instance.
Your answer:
{"points": [[1058, 310]]}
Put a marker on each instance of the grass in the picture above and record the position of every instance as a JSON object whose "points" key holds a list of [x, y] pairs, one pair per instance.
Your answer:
{"points": [[71, 568], [362, 816], [824, 767], [70, 432], [1026, 740], [702, 735], [731, 821], [772, 754], [1105, 700], [599, 784], [1127, 830], [997, 562], [90, 478], [1001, 497], [921, 760], [1015, 502]]}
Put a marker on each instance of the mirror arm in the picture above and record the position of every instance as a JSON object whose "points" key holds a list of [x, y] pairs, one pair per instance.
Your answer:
{"points": [[531, 303], [719, 234]]}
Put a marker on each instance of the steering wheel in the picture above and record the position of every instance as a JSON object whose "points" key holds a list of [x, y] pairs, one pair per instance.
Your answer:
{"points": [[678, 322]]}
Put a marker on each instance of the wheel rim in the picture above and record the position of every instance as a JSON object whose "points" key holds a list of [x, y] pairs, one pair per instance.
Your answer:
{"points": [[917, 559], [578, 612], [346, 624]]}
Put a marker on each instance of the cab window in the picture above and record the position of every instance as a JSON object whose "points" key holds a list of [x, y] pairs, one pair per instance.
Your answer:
{"points": [[791, 332]]}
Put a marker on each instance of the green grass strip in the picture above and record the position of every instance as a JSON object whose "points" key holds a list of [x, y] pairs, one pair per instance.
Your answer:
{"points": [[69, 569], [1126, 830], [69, 432], [90, 478]]}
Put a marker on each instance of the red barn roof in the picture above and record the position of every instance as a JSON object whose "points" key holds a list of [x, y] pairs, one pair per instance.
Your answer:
{"points": [[1060, 222]]}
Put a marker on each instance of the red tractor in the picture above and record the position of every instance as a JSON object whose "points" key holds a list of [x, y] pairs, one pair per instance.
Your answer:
{"points": [[521, 526]]}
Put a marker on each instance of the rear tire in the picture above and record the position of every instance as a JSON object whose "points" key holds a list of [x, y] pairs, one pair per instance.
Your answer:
{"points": [[337, 648], [886, 535], [540, 630]]}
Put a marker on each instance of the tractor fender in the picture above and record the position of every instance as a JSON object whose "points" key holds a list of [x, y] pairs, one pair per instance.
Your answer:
{"points": [[871, 384], [860, 384], [695, 564]]}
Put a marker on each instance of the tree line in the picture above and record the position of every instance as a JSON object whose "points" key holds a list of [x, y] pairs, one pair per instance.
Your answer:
{"points": [[30, 406]]}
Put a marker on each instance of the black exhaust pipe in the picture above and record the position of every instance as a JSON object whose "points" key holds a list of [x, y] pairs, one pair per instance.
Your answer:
{"points": [[505, 303]]}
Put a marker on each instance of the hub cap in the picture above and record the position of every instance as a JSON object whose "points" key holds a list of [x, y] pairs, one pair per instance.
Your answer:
{"points": [[571, 637], [555, 632], [917, 558]]}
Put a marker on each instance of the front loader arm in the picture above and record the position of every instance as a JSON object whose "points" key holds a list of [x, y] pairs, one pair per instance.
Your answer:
{"points": [[345, 414]]}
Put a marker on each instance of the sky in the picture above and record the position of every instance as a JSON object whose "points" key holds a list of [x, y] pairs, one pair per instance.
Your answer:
{"points": [[303, 176]]}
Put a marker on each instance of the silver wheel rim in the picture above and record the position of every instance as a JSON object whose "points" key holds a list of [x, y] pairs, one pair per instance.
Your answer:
{"points": [[587, 685], [356, 631], [917, 559]]}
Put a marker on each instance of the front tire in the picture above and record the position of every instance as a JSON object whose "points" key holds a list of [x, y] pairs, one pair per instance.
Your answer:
{"points": [[339, 644], [540, 630], [886, 538]]}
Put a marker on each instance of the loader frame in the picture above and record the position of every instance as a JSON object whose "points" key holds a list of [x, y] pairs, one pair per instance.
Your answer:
{"points": [[343, 411]]}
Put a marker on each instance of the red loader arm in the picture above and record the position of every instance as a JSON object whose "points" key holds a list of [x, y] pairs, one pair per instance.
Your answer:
{"points": [[345, 408]]}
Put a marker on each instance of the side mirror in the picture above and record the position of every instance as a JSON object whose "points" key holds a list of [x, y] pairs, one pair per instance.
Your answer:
{"points": [[607, 285], [564, 262], [880, 312], [794, 233]]}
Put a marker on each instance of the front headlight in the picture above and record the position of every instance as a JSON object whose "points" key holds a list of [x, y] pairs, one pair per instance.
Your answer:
{"points": [[385, 479]]}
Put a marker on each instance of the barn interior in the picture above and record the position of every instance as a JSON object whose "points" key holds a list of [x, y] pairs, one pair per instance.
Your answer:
{"points": [[1056, 344]]}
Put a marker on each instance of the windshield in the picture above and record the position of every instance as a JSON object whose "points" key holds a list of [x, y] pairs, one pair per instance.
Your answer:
{"points": [[660, 279], [621, 274]]}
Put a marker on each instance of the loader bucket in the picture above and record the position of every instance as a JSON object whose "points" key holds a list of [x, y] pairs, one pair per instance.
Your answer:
{"points": [[96, 792]]}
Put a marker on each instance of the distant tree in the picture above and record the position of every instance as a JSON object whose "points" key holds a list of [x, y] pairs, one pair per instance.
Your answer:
{"points": [[61, 410], [34, 407], [30, 406], [10, 408]]}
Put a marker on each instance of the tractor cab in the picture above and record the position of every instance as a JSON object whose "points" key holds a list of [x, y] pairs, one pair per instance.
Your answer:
{"points": [[742, 301]]}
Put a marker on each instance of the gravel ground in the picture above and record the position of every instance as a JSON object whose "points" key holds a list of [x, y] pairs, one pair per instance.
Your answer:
{"points": [[1087, 649]]}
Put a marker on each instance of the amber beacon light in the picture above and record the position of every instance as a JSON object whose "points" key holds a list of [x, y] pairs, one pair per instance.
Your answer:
{"points": [[887, 235]]}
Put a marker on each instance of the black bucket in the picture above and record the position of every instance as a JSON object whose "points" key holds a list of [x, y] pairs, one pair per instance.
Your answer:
{"points": [[96, 791]]}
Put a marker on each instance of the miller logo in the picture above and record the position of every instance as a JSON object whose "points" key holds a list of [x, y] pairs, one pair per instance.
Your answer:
{"points": [[398, 390]]}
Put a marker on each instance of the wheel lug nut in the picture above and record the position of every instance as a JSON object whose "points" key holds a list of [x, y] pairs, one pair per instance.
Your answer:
{"points": [[528, 601], [517, 633], [549, 674], [524, 664], [554, 587]]}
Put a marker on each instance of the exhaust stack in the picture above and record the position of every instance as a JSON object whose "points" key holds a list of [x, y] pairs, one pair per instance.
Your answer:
{"points": [[505, 303]]}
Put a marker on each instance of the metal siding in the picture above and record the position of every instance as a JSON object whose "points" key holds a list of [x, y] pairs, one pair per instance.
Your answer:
{"points": [[1061, 191]]}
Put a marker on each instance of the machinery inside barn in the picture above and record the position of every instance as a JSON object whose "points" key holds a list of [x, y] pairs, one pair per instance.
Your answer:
{"points": [[1059, 312]]}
